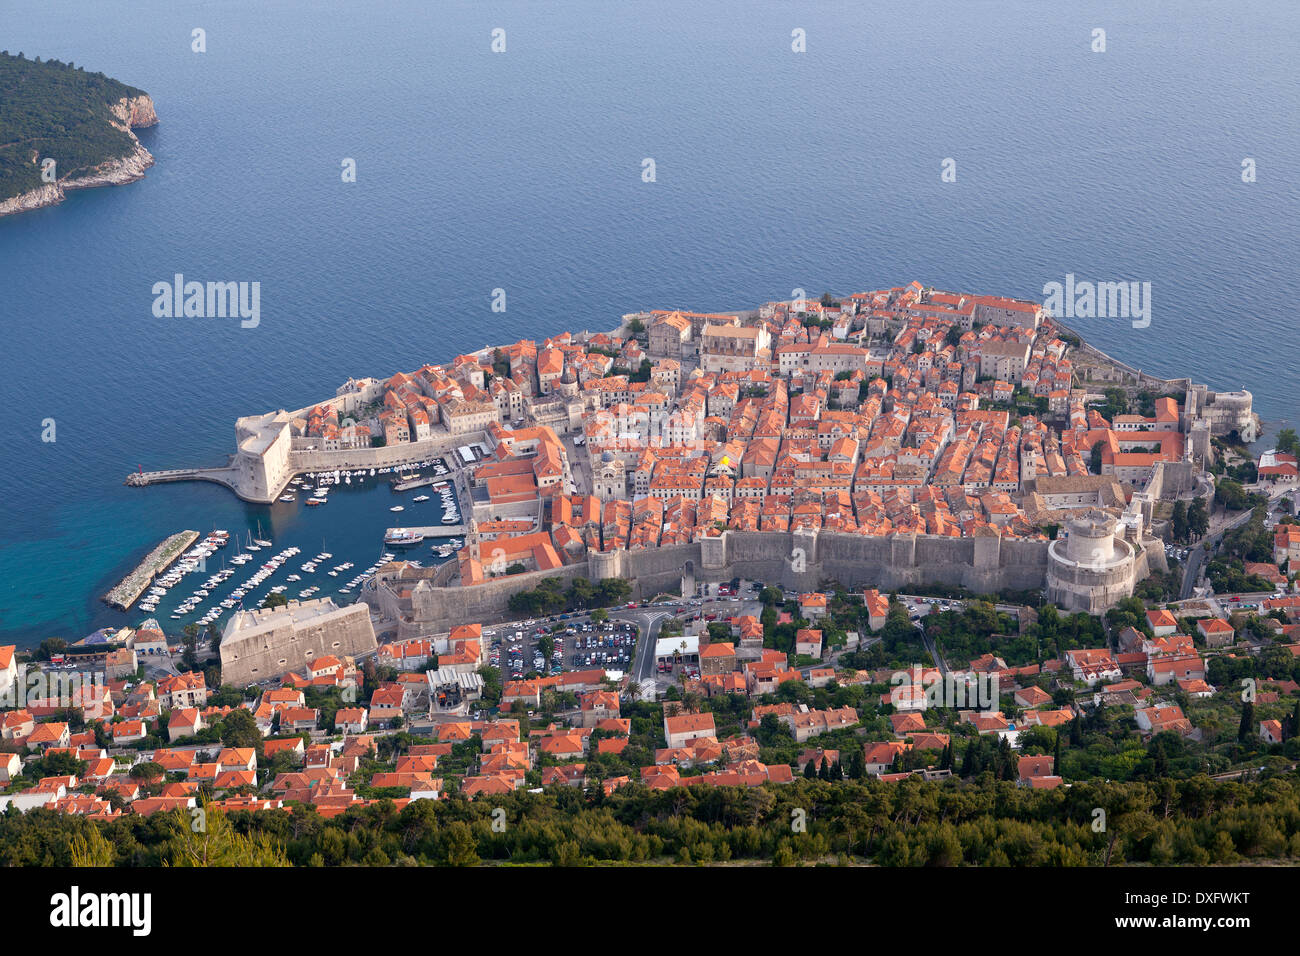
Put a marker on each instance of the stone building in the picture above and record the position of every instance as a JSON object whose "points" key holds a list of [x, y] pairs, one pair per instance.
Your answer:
{"points": [[1093, 567], [269, 642]]}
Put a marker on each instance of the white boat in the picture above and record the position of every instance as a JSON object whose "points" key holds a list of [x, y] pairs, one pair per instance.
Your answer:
{"points": [[396, 508], [420, 498]]}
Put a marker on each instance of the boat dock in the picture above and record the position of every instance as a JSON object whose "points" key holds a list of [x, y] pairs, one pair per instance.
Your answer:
{"points": [[435, 531], [421, 482], [159, 559]]}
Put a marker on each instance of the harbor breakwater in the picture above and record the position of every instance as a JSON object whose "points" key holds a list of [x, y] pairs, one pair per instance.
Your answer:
{"points": [[156, 561]]}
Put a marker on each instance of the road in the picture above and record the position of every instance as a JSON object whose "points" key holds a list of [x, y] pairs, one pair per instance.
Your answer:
{"points": [[1199, 555], [649, 622]]}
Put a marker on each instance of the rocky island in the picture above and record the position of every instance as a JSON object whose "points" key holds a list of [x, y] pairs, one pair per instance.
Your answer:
{"points": [[63, 128]]}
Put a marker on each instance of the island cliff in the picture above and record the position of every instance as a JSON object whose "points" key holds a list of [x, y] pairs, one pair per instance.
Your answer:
{"points": [[82, 121], [133, 113]]}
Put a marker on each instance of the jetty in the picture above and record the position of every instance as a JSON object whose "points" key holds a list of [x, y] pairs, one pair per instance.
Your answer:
{"points": [[159, 559], [436, 531], [228, 476], [410, 483]]}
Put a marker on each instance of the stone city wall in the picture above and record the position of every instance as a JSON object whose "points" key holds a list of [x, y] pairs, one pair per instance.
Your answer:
{"points": [[785, 559]]}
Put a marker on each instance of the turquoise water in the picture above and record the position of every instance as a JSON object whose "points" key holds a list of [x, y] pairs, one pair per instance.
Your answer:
{"points": [[522, 171]]}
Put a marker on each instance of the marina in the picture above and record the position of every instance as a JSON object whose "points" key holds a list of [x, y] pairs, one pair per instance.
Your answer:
{"points": [[279, 553]]}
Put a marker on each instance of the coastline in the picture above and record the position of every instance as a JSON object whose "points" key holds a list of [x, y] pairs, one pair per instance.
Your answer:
{"points": [[133, 113]]}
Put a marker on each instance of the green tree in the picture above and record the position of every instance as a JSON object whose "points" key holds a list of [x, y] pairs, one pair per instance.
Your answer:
{"points": [[239, 729], [90, 849], [1179, 521], [206, 838], [146, 771], [460, 847], [1198, 518], [1246, 729]]}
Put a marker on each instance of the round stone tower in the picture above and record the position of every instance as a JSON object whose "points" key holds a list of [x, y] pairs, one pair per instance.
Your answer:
{"points": [[1091, 568]]}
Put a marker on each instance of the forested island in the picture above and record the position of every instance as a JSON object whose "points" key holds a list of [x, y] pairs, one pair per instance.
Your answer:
{"points": [[62, 127]]}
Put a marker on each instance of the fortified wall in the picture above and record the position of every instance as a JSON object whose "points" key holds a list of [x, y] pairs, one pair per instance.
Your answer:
{"points": [[270, 642], [1094, 567], [431, 600], [269, 455], [302, 460]]}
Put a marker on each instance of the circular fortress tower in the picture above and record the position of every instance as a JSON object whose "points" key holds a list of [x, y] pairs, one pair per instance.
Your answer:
{"points": [[1090, 569]]}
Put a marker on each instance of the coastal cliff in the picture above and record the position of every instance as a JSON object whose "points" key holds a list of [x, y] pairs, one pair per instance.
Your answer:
{"points": [[132, 113], [66, 128]]}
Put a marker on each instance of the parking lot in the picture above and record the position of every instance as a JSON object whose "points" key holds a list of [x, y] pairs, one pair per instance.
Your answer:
{"points": [[611, 645], [578, 643]]}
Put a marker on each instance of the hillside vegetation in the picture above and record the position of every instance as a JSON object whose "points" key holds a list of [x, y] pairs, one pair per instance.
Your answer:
{"points": [[55, 110]]}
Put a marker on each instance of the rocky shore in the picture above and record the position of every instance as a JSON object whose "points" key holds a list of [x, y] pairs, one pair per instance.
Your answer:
{"points": [[132, 113]]}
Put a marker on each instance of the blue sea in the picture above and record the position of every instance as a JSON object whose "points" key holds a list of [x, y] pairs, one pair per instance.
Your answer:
{"points": [[521, 170]]}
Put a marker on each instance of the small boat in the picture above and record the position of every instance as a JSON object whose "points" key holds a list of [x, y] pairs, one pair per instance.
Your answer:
{"points": [[420, 498], [313, 502], [288, 498], [396, 508], [402, 538]]}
